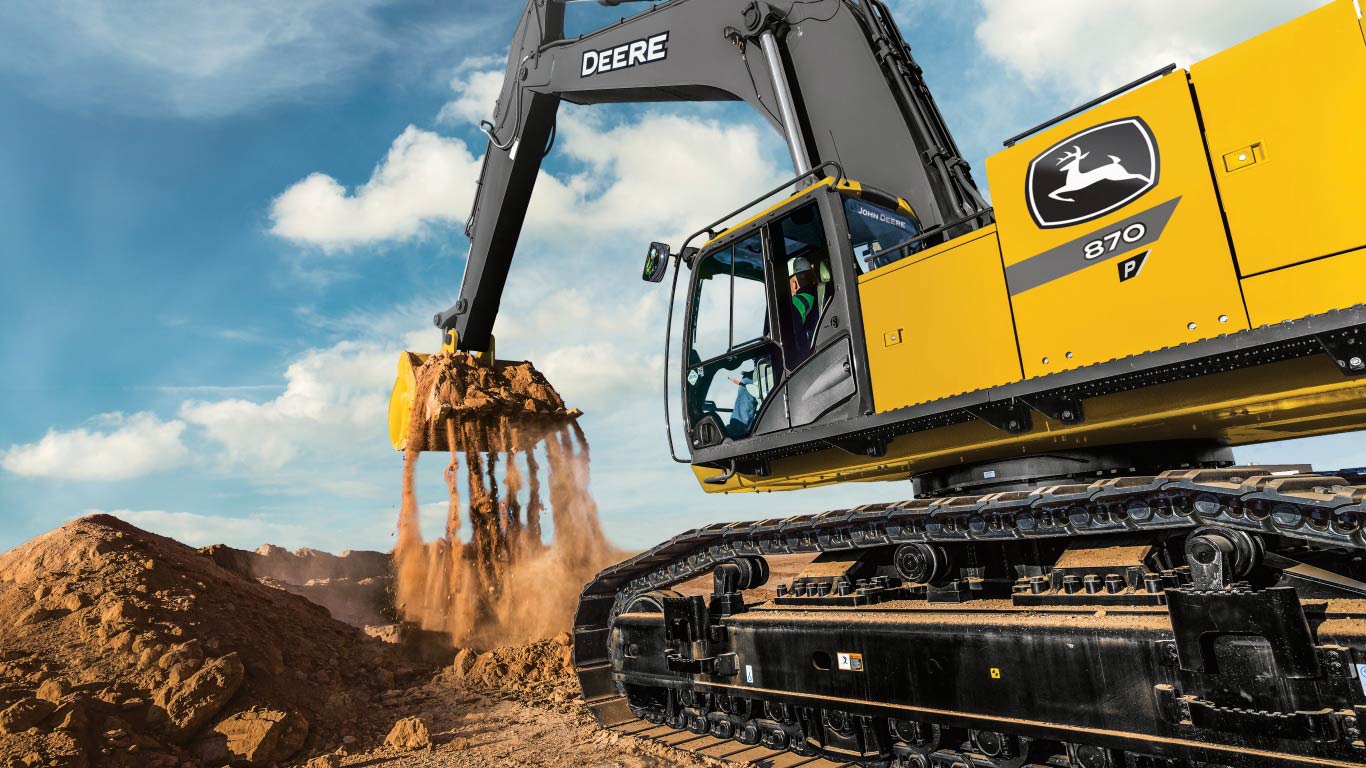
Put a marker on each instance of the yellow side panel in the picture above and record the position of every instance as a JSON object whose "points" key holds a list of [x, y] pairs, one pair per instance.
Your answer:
{"points": [[1285, 119], [1307, 289], [1149, 272], [940, 325]]}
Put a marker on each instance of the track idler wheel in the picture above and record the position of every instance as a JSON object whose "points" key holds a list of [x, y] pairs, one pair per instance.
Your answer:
{"points": [[839, 722], [920, 563], [741, 708], [650, 602], [1087, 756], [1220, 556], [740, 574]]}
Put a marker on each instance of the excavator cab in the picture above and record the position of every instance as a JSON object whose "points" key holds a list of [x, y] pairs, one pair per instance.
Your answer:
{"points": [[772, 335]]}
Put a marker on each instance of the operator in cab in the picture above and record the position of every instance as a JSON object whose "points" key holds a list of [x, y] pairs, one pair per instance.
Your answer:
{"points": [[747, 402], [805, 313]]}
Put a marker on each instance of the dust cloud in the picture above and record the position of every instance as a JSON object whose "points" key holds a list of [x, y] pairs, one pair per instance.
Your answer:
{"points": [[493, 577]]}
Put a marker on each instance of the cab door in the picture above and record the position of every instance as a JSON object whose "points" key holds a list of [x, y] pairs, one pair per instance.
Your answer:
{"points": [[820, 371]]}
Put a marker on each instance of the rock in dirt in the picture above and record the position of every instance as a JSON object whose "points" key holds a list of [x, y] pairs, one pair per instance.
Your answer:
{"points": [[257, 737], [24, 714], [408, 734], [325, 761], [463, 662], [388, 633], [51, 690], [383, 679], [50, 750], [191, 705]]}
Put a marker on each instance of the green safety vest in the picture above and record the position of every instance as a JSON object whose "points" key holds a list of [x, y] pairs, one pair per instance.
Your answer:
{"points": [[803, 302]]}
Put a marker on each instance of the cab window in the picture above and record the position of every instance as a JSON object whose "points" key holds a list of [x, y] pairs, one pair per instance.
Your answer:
{"points": [[730, 305], [879, 235], [730, 374]]}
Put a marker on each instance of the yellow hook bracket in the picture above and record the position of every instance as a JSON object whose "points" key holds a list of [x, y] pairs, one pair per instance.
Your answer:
{"points": [[452, 344]]}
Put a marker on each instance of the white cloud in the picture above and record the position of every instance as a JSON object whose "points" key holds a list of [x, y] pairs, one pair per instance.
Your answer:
{"points": [[476, 93], [661, 175], [335, 400], [203, 530], [117, 448], [656, 172], [1084, 47], [423, 180]]}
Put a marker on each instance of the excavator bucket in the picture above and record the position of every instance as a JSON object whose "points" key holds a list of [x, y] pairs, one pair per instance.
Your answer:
{"points": [[458, 401], [401, 397]]}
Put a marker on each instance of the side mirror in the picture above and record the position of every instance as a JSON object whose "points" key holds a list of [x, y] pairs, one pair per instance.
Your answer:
{"points": [[656, 263]]}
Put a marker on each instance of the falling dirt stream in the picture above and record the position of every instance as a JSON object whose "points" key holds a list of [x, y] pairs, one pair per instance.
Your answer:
{"points": [[493, 576]]}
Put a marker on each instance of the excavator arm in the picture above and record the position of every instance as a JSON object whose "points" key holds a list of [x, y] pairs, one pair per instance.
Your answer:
{"points": [[833, 77]]}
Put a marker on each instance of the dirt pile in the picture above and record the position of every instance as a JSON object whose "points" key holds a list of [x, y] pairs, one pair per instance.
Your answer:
{"points": [[513, 581], [355, 587], [541, 672], [123, 648]]}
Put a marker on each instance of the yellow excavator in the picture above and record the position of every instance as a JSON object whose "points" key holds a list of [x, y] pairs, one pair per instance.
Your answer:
{"points": [[1083, 577]]}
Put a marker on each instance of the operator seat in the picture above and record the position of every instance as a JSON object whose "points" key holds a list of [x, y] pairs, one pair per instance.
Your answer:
{"points": [[823, 281]]}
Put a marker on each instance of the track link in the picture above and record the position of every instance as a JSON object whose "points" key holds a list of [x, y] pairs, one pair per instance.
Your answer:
{"points": [[724, 750]]}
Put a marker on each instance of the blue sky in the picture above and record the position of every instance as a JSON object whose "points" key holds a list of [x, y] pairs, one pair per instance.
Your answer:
{"points": [[221, 224]]}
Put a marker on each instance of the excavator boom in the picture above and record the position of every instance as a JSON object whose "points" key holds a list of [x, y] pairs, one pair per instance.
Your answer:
{"points": [[833, 77]]}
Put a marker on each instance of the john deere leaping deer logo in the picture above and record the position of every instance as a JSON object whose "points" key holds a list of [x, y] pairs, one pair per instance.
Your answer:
{"points": [[1079, 180], [1091, 173]]}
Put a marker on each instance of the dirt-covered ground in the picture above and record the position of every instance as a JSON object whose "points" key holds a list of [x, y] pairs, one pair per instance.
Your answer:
{"points": [[516, 706], [122, 648]]}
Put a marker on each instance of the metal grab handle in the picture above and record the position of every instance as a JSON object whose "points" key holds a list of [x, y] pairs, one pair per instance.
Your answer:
{"points": [[710, 228], [723, 478]]}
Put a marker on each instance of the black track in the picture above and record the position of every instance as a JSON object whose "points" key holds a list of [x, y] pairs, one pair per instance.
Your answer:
{"points": [[1324, 511]]}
